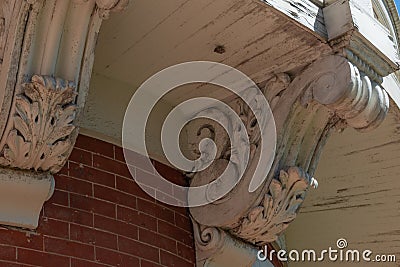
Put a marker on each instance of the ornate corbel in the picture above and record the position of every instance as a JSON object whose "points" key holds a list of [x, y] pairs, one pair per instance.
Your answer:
{"points": [[46, 59], [330, 94]]}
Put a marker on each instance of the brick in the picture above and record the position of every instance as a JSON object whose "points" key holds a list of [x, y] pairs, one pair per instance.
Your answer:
{"points": [[98, 210], [137, 218], [41, 258], [65, 169], [69, 248], [119, 153], [93, 205], [73, 185], [157, 240], [183, 222], [170, 198], [154, 181], [92, 236], [58, 197], [134, 159], [68, 214], [186, 252], [111, 165], [117, 227], [114, 196], [181, 210], [171, 174], [155, 210], [8, 253], [83, 263], [51, 227], [129, 186], [10, 264], [90, 174], [21, 239], [174, 232], [138, 249], [170, 260], [95, 145], [115, 258], [144, 263], [81, 156]]}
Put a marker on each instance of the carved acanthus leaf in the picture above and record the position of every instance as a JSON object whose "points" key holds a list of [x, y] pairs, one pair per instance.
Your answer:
{"points": [[42, 125], [266, 222]]}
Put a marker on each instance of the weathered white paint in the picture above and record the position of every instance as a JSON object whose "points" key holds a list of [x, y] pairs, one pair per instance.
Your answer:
{"points": [[305, 12], [319, 3], [367, 37], [358, 196], [152, 35], [284, 37], [391, 85], [365, 4]]}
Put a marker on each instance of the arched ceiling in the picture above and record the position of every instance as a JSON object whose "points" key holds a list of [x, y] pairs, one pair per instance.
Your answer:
{"points": [[152, 35]]}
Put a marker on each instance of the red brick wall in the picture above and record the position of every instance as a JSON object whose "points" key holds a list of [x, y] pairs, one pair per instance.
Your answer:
{"points": [[98, 216]]}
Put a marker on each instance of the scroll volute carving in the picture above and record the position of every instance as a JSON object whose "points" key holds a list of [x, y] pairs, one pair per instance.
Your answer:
{"points": [[229, 209], [206, 128], [337, 84]]}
